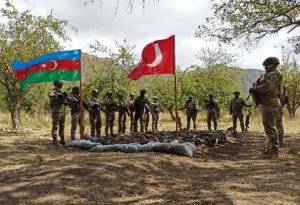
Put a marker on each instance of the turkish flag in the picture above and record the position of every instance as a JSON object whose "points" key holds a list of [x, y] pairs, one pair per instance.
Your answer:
{"points": [[158, 57]]}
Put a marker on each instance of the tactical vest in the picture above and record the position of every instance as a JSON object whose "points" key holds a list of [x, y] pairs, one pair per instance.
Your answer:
{"points": [[278, 88]]}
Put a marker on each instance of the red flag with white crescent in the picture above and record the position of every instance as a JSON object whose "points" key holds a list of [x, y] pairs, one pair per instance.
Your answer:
{"points": [[158, 57]]}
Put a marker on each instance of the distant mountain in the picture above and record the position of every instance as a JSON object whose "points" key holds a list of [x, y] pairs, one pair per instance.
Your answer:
{"points": [[249, 77]]}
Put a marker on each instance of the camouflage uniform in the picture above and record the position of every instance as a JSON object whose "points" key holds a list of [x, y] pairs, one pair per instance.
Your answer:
{"points": [[283, 101], [269, 103], [147, 117], [156, 109], [74, 100], [123, 110], [213, 109], [130, 106], [110, 107], [58, 112], [139, 108], [95, 107], [236, 110], [192, 109]]}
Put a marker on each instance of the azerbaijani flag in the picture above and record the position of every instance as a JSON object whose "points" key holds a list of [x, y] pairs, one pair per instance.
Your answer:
{"points": [[62, 65]]}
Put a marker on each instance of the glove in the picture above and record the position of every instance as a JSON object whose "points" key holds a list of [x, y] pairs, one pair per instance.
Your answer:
{"points": [[252, 90]]}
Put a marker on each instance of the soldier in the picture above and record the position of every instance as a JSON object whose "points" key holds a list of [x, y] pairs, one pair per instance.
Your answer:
{"points": [[191, 106], [236, 110], [156, 109], [74, 99], [139, 108], [122, 114], [131, 110], [284, 100], [95, 107], [58, 112], [213, 111], [147, 117], [269, 104], [110, 107]]}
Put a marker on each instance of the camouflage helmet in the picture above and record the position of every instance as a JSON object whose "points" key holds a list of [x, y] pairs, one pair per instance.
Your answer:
{"points": [[143, 91], [210, 95], [271, 60], [120, 95], [95, 91], [155, 98], [191, 97], [75, 88], [236, 92], [131, 94], [109, 93], [58, 82]]}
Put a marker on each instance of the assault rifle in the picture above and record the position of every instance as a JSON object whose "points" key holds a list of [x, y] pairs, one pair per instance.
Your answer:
{"points": [[255, 95]]}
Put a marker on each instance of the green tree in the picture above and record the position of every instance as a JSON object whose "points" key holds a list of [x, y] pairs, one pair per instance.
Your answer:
{"points": [[291, 72], [252, 20], [24, 36]]}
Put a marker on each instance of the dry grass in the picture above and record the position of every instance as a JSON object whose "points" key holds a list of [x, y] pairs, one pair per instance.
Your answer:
{"points": [[34, 172]]}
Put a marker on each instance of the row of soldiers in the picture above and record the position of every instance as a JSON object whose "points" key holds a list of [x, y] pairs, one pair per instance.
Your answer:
{"points": [[138, 109]]}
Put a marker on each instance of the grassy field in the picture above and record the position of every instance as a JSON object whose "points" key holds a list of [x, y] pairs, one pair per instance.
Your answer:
{"points": [[32, 171]]}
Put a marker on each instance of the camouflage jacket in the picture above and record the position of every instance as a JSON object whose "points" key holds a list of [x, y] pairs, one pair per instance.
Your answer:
{"points": [[122, 107], [191, 106], [130, 106], [110, 106], [156, 108], [237, 105], [211, 105], [74, 100], [140, 103], [95, 106], [57, 100]]}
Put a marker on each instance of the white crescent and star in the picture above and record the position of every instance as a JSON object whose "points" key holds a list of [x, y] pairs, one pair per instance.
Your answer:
{"points": [[55, 65], [158, 56]]}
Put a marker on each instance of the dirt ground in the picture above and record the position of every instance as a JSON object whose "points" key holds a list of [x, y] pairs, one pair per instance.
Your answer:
{"points": [[32, 171]]}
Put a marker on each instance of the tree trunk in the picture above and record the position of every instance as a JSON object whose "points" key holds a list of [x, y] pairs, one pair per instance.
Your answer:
{"points": [[170, 110], [15, 119]]}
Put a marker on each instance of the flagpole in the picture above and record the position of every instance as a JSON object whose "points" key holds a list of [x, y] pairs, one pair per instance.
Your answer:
{"points": [[81, 103], [175, 93]]}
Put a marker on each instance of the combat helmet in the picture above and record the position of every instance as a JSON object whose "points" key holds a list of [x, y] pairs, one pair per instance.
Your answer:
{"points": [[109, 93], [58, 82], [236, 92], [155, 98], [75, 88], [210, 95], [94, 91], [131, 95], [143, 91], [271, 60]]}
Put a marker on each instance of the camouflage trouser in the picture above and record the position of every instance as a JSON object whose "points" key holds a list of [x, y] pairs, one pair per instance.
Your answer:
{"points": [[147, 120], [189, 117], [137, 117], [269, 118], [239, 116], [58, 123], [122, 122], [280, 126], [95, 121], [109, 123], [155, 119], [75, 120], [131, 116], [212, 116]]}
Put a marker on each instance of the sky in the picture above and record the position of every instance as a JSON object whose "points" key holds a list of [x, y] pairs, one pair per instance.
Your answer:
{"points": [[158, 20]]}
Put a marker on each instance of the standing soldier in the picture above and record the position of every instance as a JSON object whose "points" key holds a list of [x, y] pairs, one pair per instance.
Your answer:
{"points": [[269, 104], [95, 114], [74, 99], [191, 106], [131, 110], [156, 109], [213, 111], [110, 107], [122, 114], [58, 112], [139, 108], [284, 100], [236, 110], [147, 117]]}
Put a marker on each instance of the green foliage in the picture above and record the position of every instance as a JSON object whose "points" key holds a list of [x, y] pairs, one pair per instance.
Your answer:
{"points": [[291, 72], [252, 20], [24, 36]]}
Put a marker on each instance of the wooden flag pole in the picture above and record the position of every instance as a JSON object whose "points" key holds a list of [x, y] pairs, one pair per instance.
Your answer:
{"points": [[175, 93], [81, 104]]}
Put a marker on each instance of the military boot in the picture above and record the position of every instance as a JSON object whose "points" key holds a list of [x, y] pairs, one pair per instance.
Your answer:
{"points": [[54, 141], [271, 151], [62, 140]]}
